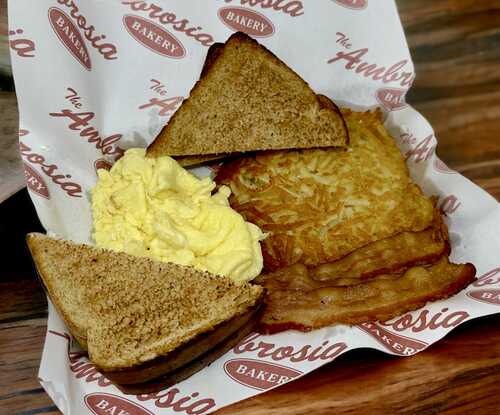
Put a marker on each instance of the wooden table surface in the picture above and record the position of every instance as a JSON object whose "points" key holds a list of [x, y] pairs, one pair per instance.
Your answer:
{"points": [[456, 48]]}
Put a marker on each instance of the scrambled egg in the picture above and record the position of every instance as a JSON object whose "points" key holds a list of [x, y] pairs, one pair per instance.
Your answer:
{"points": [[153, 207]]}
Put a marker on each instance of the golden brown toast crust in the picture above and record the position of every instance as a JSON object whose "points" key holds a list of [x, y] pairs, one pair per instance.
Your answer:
{"points": [[132, 309], [163, 366], [77, 330], [180, 141], [191, 368]]}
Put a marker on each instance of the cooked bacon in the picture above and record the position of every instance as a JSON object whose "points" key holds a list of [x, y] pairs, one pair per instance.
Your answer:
{"points": [[388, 256], [298, 302]]}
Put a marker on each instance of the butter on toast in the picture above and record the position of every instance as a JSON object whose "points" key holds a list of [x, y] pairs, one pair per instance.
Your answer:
{"points": [[246, 100]]}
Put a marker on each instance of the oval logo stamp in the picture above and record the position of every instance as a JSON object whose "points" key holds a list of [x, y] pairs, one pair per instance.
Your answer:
{"points": [[396, 343], [391, 99], [70, 36], [35, 182], [257, 374], [106, 403], [488, 296], [154, 37], [245, 20]]}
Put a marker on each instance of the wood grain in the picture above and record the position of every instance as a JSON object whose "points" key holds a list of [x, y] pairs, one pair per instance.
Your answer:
{"points": [[455, 45], [11, 166], [456, 49], [5, 69], [367, 381]]}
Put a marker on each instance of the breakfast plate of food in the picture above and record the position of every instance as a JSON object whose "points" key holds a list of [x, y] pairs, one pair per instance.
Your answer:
{"points": [[259, 216]]}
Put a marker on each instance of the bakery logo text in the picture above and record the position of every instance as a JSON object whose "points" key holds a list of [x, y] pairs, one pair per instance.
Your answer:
{"points": [[157, 38], [23, 46], [257, 374], [357, 61], [396, 343], [170, 398], [293, 8], [416, 323], [253, 23], [154, 37], [246, 20], [34, 180], [79, 120], [106, 403], [69, 34], [264, 350], [487, 294]]}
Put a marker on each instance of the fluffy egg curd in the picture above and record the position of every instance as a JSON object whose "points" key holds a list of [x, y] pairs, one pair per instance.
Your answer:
{"points": [[153, 207]]}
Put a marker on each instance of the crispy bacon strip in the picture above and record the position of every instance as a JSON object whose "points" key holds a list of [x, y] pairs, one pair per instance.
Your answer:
{"points": [[381, 298], [383, 258], [390, 255]]}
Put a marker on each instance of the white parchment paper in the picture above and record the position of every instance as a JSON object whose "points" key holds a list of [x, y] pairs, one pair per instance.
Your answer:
{"points": [[96, 77]]}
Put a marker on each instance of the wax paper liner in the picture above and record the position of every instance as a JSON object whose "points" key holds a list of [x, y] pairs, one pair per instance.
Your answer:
{"points": [[94, 78]]}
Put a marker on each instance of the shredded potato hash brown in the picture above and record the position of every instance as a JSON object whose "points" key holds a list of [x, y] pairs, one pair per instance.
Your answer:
{"points": [[319, 205]]}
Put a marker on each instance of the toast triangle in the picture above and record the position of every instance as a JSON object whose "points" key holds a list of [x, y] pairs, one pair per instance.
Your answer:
{"points": [[128, 310], [248, 100]]}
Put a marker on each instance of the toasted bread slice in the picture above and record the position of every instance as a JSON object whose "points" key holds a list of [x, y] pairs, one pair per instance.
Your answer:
{"points": [[132, 310], [189, 161], [248, 100], [194, 356], [320, 205]]}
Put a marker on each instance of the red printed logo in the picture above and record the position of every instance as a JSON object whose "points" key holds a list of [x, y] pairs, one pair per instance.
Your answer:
{"points": [[23, 47], [102, 164], [246, 20], [259, 375], [491, 296], [490, 278], [441, 167], [169, 398], [154, 37], [70, 37], [293, 8], [106, 403], [354, 60], [423, 321], [353, 4], [423, 150], [391, 99], [51, 170], [35, 182], [397, 343], [80, 122], [326, 351], [449, 204]]}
